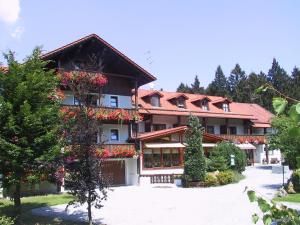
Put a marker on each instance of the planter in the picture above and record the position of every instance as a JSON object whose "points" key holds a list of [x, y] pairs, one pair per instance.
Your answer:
{"points": [[178, 182]]}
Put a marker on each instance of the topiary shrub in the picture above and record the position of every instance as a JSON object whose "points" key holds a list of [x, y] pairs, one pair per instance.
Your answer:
{"points": [[295, 178], [5, 220], [194, 159], [226, 149], [210, 180], [225, 177]]}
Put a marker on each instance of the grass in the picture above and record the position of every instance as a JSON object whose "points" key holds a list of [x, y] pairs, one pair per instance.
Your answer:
{"points": [[289, 198], [28, 203]]}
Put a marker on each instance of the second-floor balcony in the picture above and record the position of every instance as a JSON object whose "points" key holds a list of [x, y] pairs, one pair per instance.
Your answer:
{"points": [[251, 138]]}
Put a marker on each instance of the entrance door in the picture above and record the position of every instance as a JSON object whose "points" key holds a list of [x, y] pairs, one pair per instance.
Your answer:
{"points": [[114, 171]]}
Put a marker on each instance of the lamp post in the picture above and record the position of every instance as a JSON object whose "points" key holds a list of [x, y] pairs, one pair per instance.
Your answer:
{"points": [[282, 163]]}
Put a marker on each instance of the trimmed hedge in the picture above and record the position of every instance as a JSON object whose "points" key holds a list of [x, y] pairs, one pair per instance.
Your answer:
{"points": [[210, 180], [295, 178], [225, 177]]}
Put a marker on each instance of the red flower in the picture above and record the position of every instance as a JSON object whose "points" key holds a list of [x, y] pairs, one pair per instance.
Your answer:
{"points": [[99, 79]]}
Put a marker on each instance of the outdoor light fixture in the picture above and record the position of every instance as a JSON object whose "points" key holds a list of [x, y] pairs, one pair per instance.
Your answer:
{"points": [[282, 163], [232, 160]]}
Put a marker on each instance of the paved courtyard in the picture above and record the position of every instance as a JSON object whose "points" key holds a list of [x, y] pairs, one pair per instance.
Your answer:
{"points": [[226, 205]]}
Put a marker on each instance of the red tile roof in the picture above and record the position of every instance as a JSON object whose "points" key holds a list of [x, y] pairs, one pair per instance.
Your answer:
{"points": [[253, 112], [165, 132]]}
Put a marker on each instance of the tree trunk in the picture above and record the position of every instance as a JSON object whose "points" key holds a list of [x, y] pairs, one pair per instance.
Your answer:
{"points": [[89, 210], [17, 202]]}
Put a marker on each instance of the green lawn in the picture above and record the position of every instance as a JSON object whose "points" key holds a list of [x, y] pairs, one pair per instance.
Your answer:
{"points": [[290, 198], [28, 203]]}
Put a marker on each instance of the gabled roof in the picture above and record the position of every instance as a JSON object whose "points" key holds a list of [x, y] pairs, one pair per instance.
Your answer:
{"points": [[200, 98], [153, 93], [178, 95], [53, 53], [249, 111], [221, 100]]}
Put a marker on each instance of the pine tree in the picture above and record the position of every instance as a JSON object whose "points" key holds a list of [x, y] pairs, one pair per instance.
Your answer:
{"points": [[295, 83], [184, 88], [194, 159], [29, 123], [236, 84], [218, 86], [196, 88]]}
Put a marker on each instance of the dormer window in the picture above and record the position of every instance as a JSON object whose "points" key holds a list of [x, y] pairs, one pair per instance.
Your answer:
{"points": [[181, 102], [204, 105], [154, 100], [225, 107]]}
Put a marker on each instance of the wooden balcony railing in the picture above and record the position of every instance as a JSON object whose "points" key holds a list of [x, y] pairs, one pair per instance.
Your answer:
{"points": [[127, 146], [251, 138]]}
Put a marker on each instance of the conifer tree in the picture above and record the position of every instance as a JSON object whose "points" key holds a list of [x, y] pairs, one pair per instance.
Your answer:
{"points": [[218, 86], [236, 84], [184, 88], [194, 159], [196, 88], [29, 123]]}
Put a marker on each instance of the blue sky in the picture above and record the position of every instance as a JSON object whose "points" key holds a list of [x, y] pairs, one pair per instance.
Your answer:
{"points": [[173, 40]]}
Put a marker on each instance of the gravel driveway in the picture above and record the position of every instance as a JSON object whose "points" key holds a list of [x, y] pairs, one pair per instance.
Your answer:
{"points": [[226, 205]]}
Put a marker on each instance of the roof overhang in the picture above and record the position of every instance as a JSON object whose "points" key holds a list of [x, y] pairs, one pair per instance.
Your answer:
{"points": [[164, 145], [153, 93], [246, 146], [147, 77]]}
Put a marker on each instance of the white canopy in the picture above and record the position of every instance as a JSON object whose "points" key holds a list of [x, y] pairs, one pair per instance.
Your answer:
{"points": [[164, 145], [246, 146]]}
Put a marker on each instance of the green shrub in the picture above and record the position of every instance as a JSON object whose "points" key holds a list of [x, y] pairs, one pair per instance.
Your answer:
{"points": [[5, 220], [226, 149], [217, 162], [210, 180], [225, 177], [237, 177], [295, 178]]}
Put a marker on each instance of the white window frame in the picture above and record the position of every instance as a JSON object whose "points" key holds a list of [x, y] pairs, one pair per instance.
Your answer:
{"points": [[110, 133], [155, 101], [116, 97], [225, 109]]}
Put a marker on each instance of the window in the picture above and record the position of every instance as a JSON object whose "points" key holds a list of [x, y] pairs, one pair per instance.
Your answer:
{"points": [[114, 101], [204, 105], [76, 101], [223, 129], [159, 127], [210, 129], [147, 158], [114, 135], [232, 130], [92, 99], [156, 158], [95, 138], [181, 102], [154, 100], [225, 107]]}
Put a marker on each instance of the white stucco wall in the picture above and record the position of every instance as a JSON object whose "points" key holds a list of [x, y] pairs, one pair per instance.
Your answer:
{"points": [[123, 133], [131, 176], [123, 101], [259, 154], [168, 120]]}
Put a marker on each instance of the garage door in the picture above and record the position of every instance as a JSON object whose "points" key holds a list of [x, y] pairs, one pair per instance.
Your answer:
{"points": [[114, 171]]}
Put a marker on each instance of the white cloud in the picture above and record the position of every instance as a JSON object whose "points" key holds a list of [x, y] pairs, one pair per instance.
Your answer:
{"points": [[9, 10], [17, 32]]}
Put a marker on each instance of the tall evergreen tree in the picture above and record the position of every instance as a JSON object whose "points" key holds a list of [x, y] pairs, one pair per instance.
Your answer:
{"points": [[194, 159], [218, 86], [196, 88], [184, 88], [29, 123], [279, 79], [295, 83], [236, 84]]}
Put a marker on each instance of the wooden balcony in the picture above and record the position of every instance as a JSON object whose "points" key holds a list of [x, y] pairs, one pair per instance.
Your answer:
{"points": [[127, 146], [251, 138]]}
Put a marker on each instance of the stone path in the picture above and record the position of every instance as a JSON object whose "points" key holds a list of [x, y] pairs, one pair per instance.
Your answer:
{"points": [[227, 205]]}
